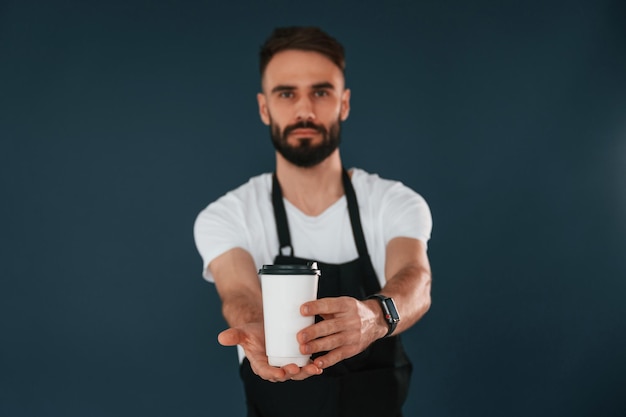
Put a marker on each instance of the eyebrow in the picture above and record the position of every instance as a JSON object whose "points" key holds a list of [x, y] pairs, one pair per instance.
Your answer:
{"points": [[317, 86], [325, 84], [279, 88]]}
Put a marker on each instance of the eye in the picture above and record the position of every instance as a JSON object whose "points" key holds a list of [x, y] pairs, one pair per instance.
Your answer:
{"points": [[285, 94], [320, 93]]}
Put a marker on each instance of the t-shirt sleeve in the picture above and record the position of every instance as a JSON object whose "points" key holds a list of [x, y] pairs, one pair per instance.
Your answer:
{"points": [[217, 229], [406, 214]]}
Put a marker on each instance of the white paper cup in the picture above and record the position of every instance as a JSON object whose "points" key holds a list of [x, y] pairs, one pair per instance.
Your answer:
{"points": [[285, 288]]}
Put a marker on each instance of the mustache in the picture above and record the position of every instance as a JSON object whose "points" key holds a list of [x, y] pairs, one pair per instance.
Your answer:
{"points": [[304, 125]]}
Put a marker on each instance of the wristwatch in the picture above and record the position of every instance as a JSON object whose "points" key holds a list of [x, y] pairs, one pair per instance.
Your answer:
{"points": [[390, 312]]}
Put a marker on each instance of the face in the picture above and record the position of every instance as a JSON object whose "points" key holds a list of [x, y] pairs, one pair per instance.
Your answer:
{"points": [[303, 102]]}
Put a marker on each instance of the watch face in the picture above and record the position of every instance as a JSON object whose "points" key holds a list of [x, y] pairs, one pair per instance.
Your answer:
{"points": [[391, 308]]}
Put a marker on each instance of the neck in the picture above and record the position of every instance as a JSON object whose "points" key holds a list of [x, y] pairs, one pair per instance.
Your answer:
{"points": [[312, 190]]}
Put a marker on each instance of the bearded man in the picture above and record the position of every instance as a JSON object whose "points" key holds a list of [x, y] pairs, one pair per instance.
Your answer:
{"points": [[368, 235]]}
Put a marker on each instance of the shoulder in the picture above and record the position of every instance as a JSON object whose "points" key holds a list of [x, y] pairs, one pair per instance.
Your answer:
{"points": [[387, 197], [254, 188], [368, 184], [367, 179], [395, 207], [235, 202]]}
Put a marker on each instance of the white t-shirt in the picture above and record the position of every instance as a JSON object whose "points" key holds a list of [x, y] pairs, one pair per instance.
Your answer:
{"points": [[244, 218]]}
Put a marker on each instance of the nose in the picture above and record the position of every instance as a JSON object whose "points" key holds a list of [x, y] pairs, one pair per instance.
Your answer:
{"points": [[304, 109]]}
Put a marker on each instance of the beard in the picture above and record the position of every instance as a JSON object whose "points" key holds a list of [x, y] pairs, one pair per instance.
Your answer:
{"points": [[306, 155]]}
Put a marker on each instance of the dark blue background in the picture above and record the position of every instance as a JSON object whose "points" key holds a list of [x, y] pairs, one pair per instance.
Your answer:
{"points": [[120, 121]]}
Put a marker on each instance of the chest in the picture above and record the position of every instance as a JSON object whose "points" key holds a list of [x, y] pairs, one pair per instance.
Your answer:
{"points": [[327, 237]]}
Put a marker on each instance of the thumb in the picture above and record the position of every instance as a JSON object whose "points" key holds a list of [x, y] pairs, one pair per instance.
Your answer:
{"points": [[230, 337]]}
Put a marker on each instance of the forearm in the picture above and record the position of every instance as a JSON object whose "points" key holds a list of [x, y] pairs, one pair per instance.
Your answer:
{"points": [[240, 309], [408, 280], [238, 285], [410, 290]]}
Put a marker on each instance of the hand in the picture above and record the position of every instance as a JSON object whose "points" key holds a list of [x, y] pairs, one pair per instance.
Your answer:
{"points": [[251, 338], [348, 328]]}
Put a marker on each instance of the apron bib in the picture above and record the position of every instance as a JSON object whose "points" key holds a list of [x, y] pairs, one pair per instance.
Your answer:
{"points": [[373, 383]]}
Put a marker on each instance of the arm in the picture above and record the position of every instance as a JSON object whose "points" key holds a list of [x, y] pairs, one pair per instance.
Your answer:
{"points": [[239, 288], [350, 325]]}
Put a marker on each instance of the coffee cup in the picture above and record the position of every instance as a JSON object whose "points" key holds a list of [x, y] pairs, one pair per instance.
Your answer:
{"points": [[285, 288]]}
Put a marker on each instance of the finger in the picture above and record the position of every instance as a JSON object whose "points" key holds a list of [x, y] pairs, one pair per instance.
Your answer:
{"points": [[321, 329], [332, 357], [230, 337], [326, 344], [291, 370], [294, 372], [329, 305], [270, 373], [307, 371]]}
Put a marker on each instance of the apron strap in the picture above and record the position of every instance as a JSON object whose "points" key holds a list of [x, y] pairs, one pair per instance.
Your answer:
{"points": [[284, 239], [355, 216]]}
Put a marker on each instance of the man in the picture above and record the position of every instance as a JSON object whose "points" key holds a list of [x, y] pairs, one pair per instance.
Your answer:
{"points": [[367, 234]]}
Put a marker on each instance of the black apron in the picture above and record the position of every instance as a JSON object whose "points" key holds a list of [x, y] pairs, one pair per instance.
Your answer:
{"points": [[372, 383]]}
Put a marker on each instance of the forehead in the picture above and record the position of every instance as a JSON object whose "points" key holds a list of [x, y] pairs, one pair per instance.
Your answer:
{"points": [[301, 69]]}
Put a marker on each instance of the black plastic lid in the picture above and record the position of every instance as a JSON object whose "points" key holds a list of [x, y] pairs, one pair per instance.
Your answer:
{"points": [[309, 269]]}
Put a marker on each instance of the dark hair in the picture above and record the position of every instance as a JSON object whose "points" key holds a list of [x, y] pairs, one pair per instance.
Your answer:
{"points": [[304, 39]]}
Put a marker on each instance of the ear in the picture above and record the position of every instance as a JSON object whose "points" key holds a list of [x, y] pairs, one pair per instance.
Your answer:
{"points": [[345, 104], [263, 112]]}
